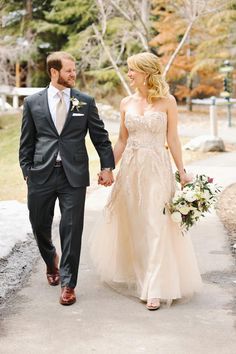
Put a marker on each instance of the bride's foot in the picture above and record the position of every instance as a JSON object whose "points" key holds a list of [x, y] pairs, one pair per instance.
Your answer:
{"points": [[153, 304]]}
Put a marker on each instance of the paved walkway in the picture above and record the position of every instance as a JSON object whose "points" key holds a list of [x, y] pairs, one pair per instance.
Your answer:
{"points": [[105, 322]]}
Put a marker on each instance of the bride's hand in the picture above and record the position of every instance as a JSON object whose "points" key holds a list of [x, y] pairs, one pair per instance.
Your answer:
{"points": [[185, 178]]}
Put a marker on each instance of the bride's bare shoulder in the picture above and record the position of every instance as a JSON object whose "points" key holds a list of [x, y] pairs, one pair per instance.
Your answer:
{"points": [[170, 99]]}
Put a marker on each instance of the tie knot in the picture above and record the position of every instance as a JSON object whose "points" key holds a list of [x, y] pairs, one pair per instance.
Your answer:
{"points": [[60, 94]]}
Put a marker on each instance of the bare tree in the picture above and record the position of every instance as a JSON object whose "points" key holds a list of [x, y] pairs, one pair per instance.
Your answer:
{"points": [[99, 36], [107, 51], [191, 11], [137, 14]]}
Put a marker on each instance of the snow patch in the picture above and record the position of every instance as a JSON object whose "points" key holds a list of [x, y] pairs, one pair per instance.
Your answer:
{"points": [[14, 225]]}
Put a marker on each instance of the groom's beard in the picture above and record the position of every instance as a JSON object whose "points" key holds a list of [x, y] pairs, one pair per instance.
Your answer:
{"points": [[66, 83]]}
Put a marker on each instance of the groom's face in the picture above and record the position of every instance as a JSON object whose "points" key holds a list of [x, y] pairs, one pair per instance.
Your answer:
{"points": [[67, 75]]}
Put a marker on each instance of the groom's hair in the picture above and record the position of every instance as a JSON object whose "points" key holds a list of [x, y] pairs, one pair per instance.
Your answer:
{"points": [[54, 60]]}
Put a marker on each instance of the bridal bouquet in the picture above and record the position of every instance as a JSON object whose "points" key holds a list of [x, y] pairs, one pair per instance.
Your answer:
{"points": [[193, 201]]}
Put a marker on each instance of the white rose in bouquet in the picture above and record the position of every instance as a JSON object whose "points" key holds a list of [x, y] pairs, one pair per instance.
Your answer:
{"points": [[190, 196], [178, 195], [176, 217], [193, 201], [183, 209]]}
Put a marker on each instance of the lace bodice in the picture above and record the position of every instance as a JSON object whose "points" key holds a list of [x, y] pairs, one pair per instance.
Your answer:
{"points": [[148, 130]]}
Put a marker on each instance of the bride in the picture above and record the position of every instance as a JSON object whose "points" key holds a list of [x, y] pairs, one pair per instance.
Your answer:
{"points": [[135, 243]]}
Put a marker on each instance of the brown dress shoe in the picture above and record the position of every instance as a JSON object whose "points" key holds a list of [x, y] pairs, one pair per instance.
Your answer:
{"points": [[53, 275], [67, 296]]}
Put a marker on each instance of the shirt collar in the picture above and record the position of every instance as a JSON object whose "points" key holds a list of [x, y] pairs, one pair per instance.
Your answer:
{"points": [[53, 90]]}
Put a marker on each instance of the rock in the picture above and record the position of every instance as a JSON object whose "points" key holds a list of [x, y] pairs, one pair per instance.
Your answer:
{"points": [[205, 143]]}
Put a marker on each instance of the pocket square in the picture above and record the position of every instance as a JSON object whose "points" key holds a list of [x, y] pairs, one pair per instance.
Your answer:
{"points": [[77, 114]]}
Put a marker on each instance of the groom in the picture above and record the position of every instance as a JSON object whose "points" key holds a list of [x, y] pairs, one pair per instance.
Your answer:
{"points": [[54, 162]]}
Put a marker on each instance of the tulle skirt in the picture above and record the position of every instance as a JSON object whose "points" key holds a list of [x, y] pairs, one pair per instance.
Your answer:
{"points": [[134, 244]]}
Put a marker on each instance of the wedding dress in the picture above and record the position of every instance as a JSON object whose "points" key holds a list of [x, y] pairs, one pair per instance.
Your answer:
{"points": [[135, 243]]}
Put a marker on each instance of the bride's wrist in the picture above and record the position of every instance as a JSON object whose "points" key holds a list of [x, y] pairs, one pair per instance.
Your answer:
{"points": [[182, 171]]}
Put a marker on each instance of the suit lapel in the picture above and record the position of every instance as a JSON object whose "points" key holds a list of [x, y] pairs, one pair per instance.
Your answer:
{"points": [[73, 93]]}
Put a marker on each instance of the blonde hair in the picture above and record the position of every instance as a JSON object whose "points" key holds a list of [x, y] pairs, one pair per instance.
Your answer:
{"points": [[149, 64]]}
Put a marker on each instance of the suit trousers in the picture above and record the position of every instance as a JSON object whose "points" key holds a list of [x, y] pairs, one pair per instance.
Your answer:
{"points": [[41, 204]]}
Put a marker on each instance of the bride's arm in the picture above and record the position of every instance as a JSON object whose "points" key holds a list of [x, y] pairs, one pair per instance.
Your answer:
{"points": [[173, 139], [123, 135]]}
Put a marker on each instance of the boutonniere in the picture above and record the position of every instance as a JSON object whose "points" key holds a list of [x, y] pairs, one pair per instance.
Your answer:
{"points": [[76, 104]]}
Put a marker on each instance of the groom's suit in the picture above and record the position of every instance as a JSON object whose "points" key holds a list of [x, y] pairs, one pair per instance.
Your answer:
{"points": [[39, 147]]}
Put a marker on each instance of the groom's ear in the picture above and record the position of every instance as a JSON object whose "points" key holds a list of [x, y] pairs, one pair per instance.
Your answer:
{"points": [[54, 73]]}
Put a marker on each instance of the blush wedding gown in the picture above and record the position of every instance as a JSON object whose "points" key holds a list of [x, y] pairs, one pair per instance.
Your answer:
{"points": [[134, 243]]}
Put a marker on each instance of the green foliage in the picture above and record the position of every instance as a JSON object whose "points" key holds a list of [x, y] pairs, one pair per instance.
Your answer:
{"points": [[39, 78], [67, 25], [116, 27], [76, 15], [104, 76]]}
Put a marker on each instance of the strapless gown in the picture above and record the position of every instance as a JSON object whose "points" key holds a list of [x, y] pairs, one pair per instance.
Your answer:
{"points": [[134, 243]]}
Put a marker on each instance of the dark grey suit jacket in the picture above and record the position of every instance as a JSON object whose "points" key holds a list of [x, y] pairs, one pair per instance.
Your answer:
{"points": [[40, 141]]}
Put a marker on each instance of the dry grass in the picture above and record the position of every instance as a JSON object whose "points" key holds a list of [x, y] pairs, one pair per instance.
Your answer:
{"points": [[11, 180]]}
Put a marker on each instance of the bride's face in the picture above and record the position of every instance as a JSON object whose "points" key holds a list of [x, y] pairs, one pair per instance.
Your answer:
{"points": [[136, 78]]}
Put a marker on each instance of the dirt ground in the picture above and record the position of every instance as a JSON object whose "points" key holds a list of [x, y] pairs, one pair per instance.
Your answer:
{"points": [[226, 209]]}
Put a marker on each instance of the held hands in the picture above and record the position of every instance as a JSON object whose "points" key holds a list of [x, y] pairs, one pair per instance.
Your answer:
{"points": [[105, 178]]}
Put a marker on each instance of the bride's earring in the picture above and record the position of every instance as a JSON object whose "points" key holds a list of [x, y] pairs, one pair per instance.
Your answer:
{"points": [[144, 82]]}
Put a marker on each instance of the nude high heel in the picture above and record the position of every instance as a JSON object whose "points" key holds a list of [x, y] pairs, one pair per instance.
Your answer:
{"points": [[153, 304]]}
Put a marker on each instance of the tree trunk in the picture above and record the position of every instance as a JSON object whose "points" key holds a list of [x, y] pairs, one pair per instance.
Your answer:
{"points": [[189, 98], [108, 53], [181, 43], [29, 10]]}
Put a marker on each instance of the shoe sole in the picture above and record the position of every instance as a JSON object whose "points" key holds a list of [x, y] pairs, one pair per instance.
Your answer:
{"points": [[67, 303]]}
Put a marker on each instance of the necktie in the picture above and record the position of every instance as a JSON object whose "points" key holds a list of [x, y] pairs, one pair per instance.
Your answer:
{"points": [[61, 113]]}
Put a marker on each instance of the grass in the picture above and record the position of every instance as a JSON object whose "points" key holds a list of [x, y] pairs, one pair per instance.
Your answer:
{"points": [[12, 184], [11, 180]]}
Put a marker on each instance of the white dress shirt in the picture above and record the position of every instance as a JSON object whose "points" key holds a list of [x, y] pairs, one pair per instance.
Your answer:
{"points": [[53, 99]]}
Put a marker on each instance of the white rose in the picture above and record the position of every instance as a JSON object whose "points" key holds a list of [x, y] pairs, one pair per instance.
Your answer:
{"points": [[190, 196], [184, 209], [178, 195], [176, 217]]}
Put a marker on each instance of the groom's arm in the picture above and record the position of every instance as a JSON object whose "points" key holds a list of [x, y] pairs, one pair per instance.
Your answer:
{"points": [[99, 137], [27, 140]]}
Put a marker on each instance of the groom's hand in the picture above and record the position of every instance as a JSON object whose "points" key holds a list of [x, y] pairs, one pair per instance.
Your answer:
{"points": [[105, 178]]}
